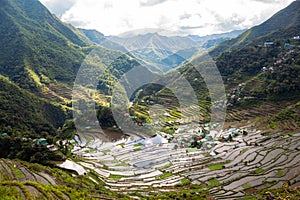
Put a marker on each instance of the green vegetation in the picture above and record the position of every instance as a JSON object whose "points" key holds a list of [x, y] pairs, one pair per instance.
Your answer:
{"points": [[184, 182], [246, 186], [216, 167], [26, 148], [213, 183], [259, 170], [137, 149], [30, 112], [280, 173], [75, 187], [45, 46], [122, 144], [106, 151], [279, 193], [41, 57], [181, 194], [138, 145], [115, 176], [244, 150], [163, 176], [166, 166]]}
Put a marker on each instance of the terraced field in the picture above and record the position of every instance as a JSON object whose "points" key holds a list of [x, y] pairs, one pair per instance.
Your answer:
{"points": [[20, 180], [229, 170], [266, 109]]}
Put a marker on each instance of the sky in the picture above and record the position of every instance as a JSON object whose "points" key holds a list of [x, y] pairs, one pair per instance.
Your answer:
{"points": [[169, 17]]}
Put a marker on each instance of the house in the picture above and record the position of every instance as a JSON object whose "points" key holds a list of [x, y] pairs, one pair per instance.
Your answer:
{"points": [[296, 37], [52, 147], [288, 46], [3, 134], [268, 44], [41, 142]]}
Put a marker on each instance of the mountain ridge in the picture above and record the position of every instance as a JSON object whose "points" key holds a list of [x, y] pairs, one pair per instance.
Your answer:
{"points": [[285, 21]]}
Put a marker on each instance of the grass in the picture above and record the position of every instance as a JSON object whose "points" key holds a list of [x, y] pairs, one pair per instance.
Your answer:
{"points": [[246, 186], [280, 173], [216, 167], [10, 192], [17, 171], [138, 145], [249, 198], [105, 167], [166, 166], [280, 193], [122, 144], [78, 187], [259, 170], [257, 119], [122, 164], [213, 183], [137, 149], [244, 150], [90, 150], [106, 151], [163, 176], [184, 182], [115, 176]]}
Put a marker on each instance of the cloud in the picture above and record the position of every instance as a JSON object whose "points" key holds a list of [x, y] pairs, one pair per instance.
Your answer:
{"points": [[192, 27], [202, 17], [268, 1], [185, 16], [151, 2], [58, 7]]}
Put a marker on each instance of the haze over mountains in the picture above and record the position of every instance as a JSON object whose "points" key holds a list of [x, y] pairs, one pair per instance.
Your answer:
{"points": [[159, 53]]}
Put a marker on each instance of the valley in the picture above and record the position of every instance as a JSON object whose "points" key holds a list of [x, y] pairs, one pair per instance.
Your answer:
{"points": [[147, 116]]}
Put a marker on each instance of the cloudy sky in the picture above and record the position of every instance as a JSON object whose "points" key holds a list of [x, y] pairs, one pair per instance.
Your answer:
{"points": [[181, 17]]}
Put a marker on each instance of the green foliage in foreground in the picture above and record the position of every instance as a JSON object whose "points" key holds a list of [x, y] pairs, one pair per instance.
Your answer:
{"points": [[286, 193], [68, 186], [180, 194]]}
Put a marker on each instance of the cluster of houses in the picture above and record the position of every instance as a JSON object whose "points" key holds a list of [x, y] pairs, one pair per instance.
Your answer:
{"points": [[287, 45], [237, 94], [42, 142], [286, 57]]}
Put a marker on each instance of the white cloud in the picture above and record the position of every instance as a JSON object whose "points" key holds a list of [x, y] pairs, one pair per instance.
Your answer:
{"points": [[151, 2], [57, 6], [201, 17]]}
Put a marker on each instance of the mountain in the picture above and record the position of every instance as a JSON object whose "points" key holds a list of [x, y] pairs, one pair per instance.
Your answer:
{"points": [[39, 60], [156, 42], [180, 56], [151, 48], [254, 74], [228, 35], [284, 23], [98, 38], [22, 111], [37, 48], [159, 53]]}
